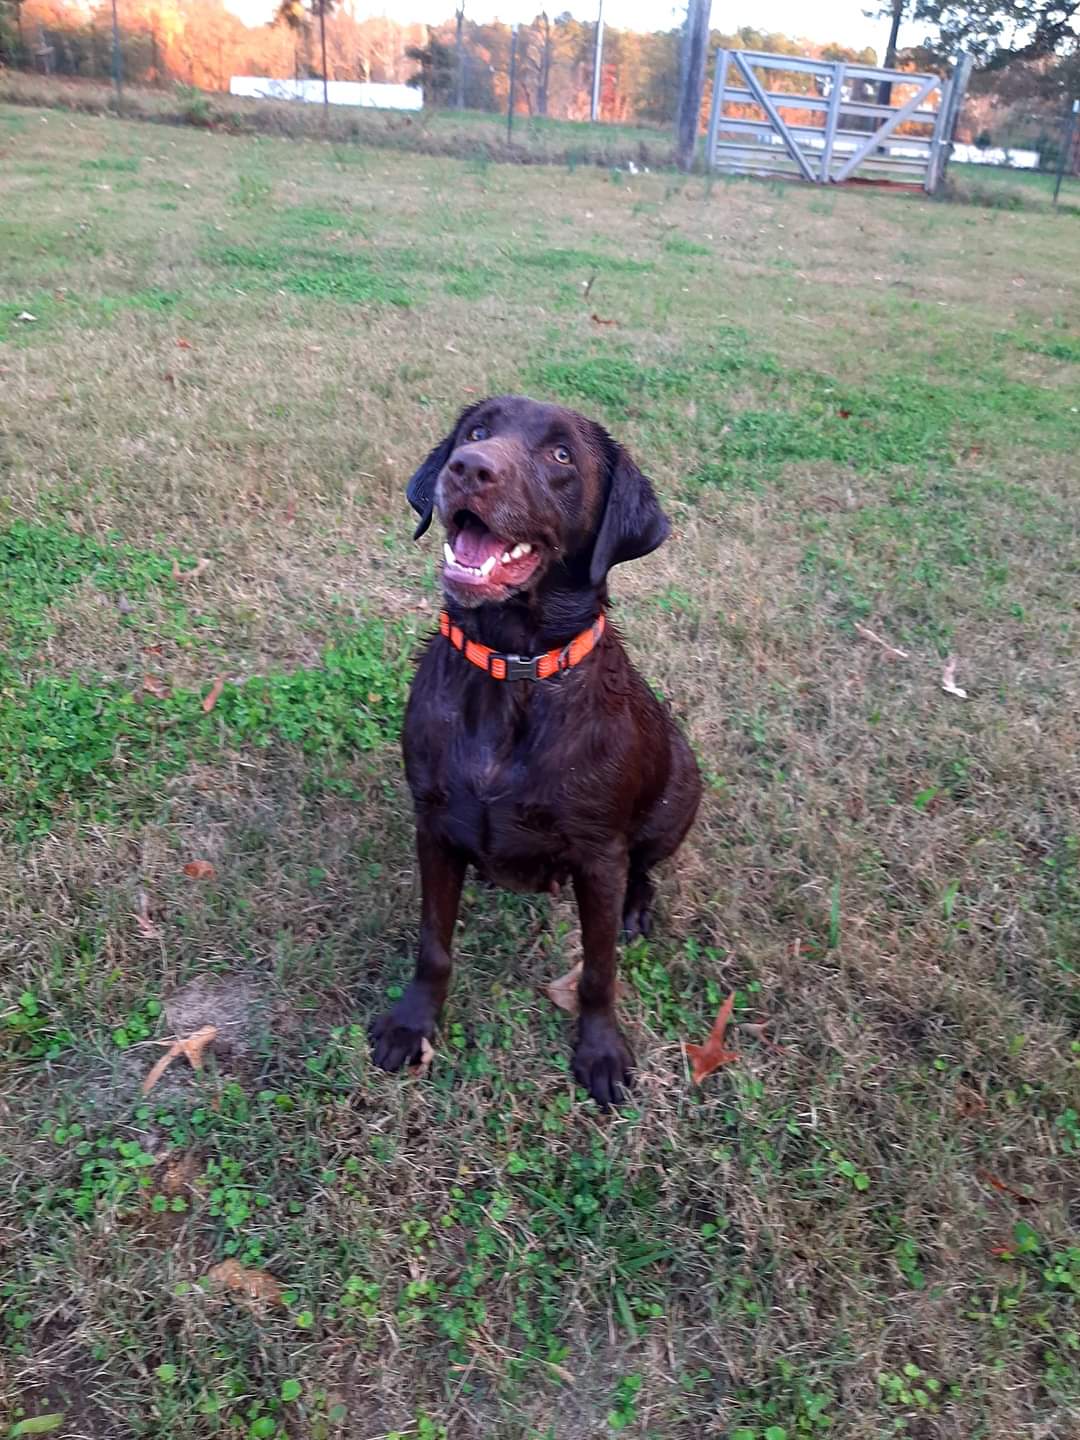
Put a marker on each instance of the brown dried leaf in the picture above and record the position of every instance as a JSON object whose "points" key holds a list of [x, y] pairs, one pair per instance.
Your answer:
{"points": [[891, 650], [1004, 1188], [154, 685], [213, 694], [192, 1047], [704, 1059], [427, 1055], [199, 870], [564, 991], [145, 925], [182, 344], [248, 1284], [598, 320], [948, 680], [760, 1031], [201, 565]]}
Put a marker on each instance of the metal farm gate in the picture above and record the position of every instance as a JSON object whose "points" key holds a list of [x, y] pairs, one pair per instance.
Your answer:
{"points": [[829, 121]]}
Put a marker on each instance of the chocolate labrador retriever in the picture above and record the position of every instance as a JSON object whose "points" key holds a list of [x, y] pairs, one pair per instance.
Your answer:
{"points": [[533, 749]]}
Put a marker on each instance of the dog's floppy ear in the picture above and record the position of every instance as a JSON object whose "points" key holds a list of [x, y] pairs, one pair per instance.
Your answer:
{"points": [[420, 490], [632, 523]]}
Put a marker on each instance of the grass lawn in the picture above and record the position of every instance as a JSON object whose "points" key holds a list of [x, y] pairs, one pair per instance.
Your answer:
{"points": [[862, 410]]}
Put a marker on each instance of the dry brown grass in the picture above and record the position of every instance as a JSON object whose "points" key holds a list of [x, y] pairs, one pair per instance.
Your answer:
{"points": [[886, 874]]}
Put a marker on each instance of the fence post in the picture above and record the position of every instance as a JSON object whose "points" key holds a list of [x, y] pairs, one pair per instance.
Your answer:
{"points": [[717, 110], [832, 116], [1067, 148], [957, 90]]}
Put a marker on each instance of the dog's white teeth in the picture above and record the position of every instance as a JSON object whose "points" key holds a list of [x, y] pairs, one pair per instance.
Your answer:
{"points": [[520, 549], [505, 558], [448, 552], [488, 565]]}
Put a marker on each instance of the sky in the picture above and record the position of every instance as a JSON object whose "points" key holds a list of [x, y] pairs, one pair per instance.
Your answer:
{"points": [[840, 20]]}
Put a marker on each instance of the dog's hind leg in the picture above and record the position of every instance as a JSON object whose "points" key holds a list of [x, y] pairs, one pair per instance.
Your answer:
{"points": [[637, 916]]}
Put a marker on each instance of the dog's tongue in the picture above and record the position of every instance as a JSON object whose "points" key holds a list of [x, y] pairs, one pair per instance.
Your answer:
{"points": [[474, 545]]}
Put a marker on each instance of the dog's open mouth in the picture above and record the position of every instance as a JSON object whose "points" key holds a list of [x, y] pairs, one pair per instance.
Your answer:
{"points": [[476, 556]]}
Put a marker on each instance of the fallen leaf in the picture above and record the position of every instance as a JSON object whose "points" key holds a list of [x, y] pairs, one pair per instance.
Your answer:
{"points": [[251, 1284], [948, 680], [563, 992], [26, 317], [892, 650], [427, 1055], [183, 344], [191, 1047], [290, 512], [844, 414], [598, 320], [1004, 1188], [153, 650], [38, 1424], [213, 693], [200, 566], [968, 1101], [145, 925], [155, 686], [199, 870], [759, 1031], [704, 1059]]}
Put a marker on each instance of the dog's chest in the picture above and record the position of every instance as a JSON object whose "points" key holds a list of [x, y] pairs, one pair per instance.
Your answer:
{"points": [[485, 784]]}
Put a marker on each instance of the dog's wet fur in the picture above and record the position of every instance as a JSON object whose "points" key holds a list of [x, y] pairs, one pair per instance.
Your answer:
{"points": [[580, 777]]}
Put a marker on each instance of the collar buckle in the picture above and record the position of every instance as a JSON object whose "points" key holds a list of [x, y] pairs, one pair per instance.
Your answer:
{"points": [[519, 667]]}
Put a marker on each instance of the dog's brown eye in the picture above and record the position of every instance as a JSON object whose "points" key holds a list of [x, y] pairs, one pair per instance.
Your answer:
{"points": [[561, 455], [479, 432]]}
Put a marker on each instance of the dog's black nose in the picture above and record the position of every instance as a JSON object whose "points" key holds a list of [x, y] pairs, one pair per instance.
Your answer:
{"points": [[475, 468]]}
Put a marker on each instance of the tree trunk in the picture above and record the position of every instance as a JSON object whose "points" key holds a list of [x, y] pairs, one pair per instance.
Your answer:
{"points": [[545, 66], [885, 88]]}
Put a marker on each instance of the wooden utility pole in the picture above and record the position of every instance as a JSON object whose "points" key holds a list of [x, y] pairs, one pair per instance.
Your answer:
{"points": [[597, 65], [322, 39], [117, 62], [513, 82], [459, 97], [695, 49]]}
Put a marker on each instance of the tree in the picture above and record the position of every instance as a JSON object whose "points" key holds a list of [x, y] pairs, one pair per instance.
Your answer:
{"points": [[436, 76], [1000, 32], [297, 14]]}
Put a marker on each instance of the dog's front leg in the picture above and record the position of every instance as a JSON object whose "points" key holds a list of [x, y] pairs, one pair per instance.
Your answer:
{"points": [[397, 1035], [603, 1063]]}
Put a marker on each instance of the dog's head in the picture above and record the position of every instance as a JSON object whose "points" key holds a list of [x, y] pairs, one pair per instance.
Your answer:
{"points": [[524, 489]]}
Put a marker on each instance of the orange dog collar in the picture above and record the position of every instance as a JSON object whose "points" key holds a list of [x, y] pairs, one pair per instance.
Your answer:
{"points": [[523, 667]]}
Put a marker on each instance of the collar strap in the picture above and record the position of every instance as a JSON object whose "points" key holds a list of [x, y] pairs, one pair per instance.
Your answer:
{"points": [[523, 667]]}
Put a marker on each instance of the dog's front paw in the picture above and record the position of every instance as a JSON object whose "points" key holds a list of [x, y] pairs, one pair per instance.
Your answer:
{"points": [[397, 1037], [603, 1063]]}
